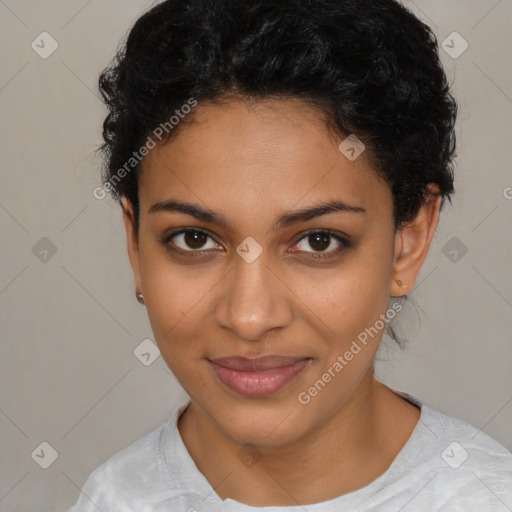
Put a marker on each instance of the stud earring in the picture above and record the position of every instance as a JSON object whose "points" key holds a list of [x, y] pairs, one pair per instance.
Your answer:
{"points": [[399, 283], [140, 297]]}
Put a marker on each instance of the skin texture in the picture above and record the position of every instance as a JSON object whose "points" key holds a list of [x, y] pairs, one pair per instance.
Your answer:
{"points": [[251, 163]]}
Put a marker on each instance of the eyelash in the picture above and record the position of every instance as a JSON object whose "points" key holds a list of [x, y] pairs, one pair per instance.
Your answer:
{"points": [[166, 241]]}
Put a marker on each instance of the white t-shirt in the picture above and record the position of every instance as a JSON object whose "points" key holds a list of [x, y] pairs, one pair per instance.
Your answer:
{"points": [[446, 465]]}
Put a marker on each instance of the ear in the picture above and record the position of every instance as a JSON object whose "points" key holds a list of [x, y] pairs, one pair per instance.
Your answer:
{"points": [[412, 243], [132, 242]]}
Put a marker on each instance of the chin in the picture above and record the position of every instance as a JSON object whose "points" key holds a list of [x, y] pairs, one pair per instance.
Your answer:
{"points": [[263, 423]]}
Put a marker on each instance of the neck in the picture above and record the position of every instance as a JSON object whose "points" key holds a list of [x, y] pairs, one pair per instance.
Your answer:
{"points": [[352, 448]]}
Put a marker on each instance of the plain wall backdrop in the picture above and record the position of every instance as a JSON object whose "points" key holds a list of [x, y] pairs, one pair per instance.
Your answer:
{"points": [[69, 320]]}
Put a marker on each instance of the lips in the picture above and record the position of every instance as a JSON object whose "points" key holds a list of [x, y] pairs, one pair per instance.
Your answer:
{"points": [[256, 364], [253, 377]]}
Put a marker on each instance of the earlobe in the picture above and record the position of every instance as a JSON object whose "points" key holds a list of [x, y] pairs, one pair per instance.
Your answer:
{"points": [[412, 243]]}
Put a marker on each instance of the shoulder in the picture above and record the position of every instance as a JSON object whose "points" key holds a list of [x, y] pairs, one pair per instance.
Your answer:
{"points": [[130, 477], [464, 467], [464, 443]]}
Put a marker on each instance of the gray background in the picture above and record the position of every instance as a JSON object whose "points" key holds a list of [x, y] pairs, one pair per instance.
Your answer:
{"points": [[70, 323]]}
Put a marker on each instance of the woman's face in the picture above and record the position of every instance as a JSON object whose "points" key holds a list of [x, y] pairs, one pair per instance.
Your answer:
{"points": [[253, 286]]}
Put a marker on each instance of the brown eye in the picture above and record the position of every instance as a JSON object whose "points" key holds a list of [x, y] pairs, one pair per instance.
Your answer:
{"points": [[320, 242], [194, 239], [191, 240]]}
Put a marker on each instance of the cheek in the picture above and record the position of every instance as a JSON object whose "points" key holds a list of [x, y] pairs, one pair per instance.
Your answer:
{"points": [[335, 305], [354, 297], [176, 298]]}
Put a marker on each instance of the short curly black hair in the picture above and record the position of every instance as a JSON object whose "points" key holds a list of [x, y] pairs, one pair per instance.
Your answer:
{"points": [[370, 66]]}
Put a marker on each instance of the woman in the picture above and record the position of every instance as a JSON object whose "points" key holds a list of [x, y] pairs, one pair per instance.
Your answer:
{"points": [[281, 168]]}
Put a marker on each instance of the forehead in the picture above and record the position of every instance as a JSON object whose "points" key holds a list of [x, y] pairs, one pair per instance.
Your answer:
{"points": [[270, 154]]}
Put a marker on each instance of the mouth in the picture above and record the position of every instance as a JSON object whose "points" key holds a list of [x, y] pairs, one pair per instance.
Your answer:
{"points": [[259, 376]]}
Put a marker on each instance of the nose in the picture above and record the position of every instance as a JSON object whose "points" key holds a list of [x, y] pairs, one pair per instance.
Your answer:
{"points": [[253, 300]]}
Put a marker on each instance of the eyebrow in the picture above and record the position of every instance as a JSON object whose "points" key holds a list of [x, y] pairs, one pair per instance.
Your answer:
{"points": [[285, 220]]}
